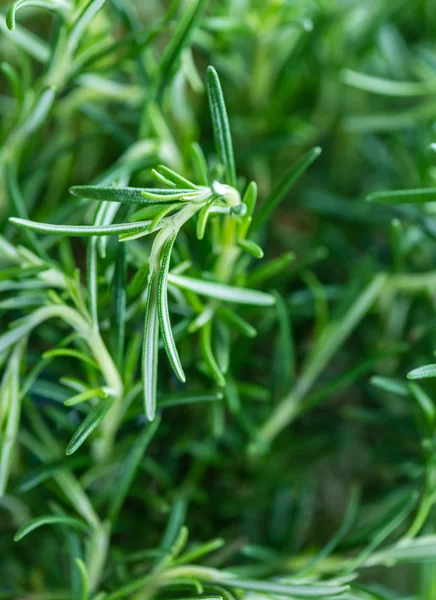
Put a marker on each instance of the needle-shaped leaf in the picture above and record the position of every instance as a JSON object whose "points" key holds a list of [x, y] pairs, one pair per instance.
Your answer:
{"points": [[309, 590], [17, 201], [127, 195], [58, 6], [86, 395], [251, 247], [175, 180], [270, 269], [221, 291], [164, 213], [81, 230], [236, 322], [182, 398], [84, 579], [175, 195], [179, 41], [203, 218], [71, 353], [424, 372], [387, 87], [419, 196], [208, 355], [278, 194], [118, 306], [221, 127], [50, 520], [10, 409], [199, 164], [164, 316], [91, 421], [26, 40], [150, 348]]}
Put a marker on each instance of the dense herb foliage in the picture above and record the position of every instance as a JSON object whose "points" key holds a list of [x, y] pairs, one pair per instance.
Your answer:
{"points": [[217, 299]]}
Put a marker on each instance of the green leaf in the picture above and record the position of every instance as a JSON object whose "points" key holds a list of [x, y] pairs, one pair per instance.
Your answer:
{"points": [[424, 402], [236, 322], [221, 291], [81, 230], [81, 567], [81, 23], [221, 128], [163, 213], [421, 549], [179, 41], [250, 198], [288, 181], [127, 195], [309, 590], [208, 355], [387, 87], [418, 196], [118, 306], [130, 467], [86, 395], [150, 348], [389, 384], [10, 409], [203, 218], [26, 40], [173, 178], [330, 340], [251, 247], [424, 372], [71, 353], [49, 520], [91, 421], [182, 398], [164, 316], [58, 6], [199, 164], [270, 269]]}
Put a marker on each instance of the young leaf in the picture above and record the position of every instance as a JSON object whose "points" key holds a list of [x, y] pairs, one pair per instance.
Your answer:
{"points": [[150, 348], [72, 353], [203, 218], [199, 164], [50, 520], [86, 395], [84, 584], [127, 195], [208, 355], [251, 247], [164, 317], [174, 178], [58, 6], [221, 291], [91, 421], [221, 128]]}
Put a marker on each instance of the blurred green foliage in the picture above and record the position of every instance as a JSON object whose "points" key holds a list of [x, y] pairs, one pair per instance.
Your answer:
{"points": [[313, 467]]}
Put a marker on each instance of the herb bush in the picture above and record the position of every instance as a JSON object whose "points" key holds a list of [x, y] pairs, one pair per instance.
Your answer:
{"points": [[216, 342]]}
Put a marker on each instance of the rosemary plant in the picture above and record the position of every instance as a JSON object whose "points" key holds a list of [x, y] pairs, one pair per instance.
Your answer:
{"points": [[163, 192]]}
